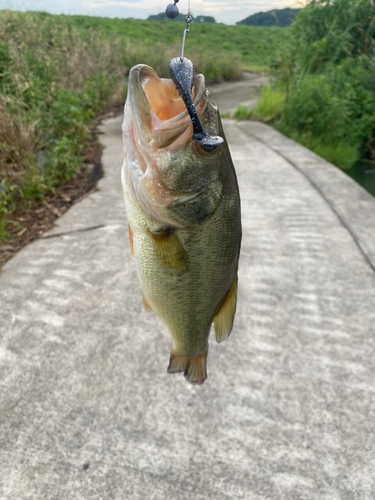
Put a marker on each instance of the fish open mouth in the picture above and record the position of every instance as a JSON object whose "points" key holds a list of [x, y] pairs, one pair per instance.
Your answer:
{"points": [[160, 94], [163, 97], [159, 111]]}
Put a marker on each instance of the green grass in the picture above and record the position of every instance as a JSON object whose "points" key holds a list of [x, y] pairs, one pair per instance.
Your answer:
{"points": [[58, 72], [254, 47], [52, 83], [269, 107], [327, 77]]}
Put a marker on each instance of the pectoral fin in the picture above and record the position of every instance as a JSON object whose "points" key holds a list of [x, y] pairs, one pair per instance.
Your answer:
{"points": [[194, 368], [223, 321], [169, 250]]}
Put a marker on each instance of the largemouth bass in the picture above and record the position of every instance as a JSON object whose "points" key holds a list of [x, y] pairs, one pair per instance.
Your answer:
{"points": [[183, 209]]}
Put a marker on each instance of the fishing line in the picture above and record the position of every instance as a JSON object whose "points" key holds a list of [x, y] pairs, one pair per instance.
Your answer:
{"points": [[188, 21], [172, 12]]}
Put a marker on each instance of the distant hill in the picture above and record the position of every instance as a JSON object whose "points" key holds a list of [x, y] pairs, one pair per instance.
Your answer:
{"points": [[181, 18], [277, 17], [204, 19]]}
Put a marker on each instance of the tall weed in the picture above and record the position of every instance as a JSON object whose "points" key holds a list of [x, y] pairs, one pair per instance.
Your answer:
{"points": [[52, 84]]}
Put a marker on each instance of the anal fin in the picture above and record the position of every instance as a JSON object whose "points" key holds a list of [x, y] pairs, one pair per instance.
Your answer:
{"points": [[223, 321], [194, 368]]}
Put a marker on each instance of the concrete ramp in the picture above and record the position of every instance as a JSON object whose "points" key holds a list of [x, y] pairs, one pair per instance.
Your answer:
{"points": [[87, 410]]}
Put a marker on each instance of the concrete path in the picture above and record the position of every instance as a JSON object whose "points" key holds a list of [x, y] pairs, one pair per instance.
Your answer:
{"points": [[229, 95], [87, 410]]}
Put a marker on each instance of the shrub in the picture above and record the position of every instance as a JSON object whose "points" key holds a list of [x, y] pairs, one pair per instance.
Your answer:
{"points": [[328, 75]]}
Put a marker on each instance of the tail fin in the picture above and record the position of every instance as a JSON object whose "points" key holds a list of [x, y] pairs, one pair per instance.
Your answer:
{"points": [[194, 368]]}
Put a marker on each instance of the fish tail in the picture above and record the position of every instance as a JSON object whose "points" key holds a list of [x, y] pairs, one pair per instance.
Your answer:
{"points": [[193, 367]]}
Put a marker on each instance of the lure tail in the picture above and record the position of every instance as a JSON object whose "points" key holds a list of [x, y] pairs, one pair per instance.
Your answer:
{"points": [[194, 368]]}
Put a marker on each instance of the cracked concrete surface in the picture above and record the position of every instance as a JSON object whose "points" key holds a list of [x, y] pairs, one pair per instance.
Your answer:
{"points": [[87, 410]]}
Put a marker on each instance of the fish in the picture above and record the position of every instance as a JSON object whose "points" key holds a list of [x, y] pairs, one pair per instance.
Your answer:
{"points": [[183, 210]]}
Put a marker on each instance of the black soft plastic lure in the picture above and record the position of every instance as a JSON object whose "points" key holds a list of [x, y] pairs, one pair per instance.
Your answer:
{"points": [[182, 74]]}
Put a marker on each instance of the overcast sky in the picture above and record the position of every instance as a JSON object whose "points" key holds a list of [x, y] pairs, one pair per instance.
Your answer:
{"points": [[226, 11]]}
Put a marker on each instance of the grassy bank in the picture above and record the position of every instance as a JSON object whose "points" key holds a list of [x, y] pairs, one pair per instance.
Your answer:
{"points": [[324, 92], [58, 72], [254, 48], [52, 83]]}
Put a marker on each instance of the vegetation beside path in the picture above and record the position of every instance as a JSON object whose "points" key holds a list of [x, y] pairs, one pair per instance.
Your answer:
{"points": [[57, 73], [324, 91]]}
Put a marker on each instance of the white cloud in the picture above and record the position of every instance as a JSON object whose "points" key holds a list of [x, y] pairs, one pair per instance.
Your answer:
{"points": [[223, 10]]}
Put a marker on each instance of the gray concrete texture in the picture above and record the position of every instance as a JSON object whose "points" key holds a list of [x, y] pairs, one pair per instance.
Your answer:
{"points": [[229, 95], [87, 409]]}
